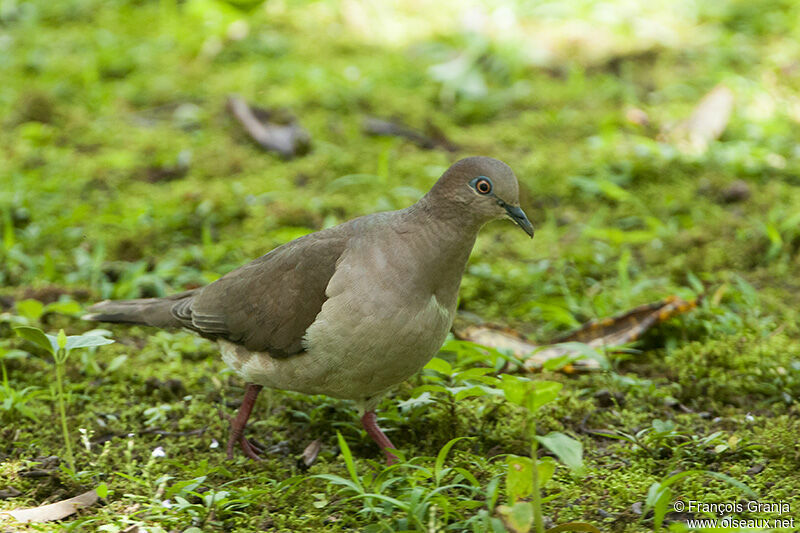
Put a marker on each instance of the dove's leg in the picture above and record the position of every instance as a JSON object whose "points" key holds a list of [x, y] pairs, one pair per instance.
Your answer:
{"points": [[370, 424], [240, 421]]}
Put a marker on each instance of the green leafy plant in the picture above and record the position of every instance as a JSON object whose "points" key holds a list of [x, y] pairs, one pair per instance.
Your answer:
{"points": [[662, 438], [659, 496], [420, 495], [526, 476], [658, 436], [33, 310], [60, 346]]}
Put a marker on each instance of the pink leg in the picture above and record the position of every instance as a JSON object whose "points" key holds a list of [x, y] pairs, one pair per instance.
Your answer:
{"points": [[240, 421], [370, 424]]}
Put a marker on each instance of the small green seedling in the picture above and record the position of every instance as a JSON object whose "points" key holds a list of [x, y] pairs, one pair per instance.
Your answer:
{"points": [[525, 475], [59, 346]]}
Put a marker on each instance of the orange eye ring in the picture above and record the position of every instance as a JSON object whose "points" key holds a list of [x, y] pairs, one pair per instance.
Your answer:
{"points": [[483, 186]]}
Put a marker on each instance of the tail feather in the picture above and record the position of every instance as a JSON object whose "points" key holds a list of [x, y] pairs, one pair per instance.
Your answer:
{"points": [[145, 311]]}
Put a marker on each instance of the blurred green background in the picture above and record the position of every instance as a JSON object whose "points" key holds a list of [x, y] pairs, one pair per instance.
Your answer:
{"points": [[656, 144]]}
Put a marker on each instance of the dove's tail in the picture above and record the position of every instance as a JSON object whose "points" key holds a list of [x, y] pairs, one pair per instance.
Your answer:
{"points": [[145, 311]]}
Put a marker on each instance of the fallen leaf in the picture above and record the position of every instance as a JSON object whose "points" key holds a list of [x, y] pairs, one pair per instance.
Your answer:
{"points": [[755, 470], [629, 325], [289, 139], [433, 138], [311, 452], [608, 332], [8, 493], [53, 511], [707, 122]]}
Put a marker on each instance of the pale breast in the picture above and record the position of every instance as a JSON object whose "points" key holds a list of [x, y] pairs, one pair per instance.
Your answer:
{"points": [[378, 327]]}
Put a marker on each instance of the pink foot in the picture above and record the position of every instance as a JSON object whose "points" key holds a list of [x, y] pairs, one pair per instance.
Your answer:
{"points": [[370, 424]]}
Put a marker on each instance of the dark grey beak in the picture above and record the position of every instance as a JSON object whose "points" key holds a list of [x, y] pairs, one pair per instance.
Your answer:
{"points": [[518, 216]]}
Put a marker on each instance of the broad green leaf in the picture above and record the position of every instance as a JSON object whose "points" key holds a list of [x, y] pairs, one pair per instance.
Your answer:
{"points": [[518, 518], [519, 479], [65, 307], [439, 365], [514, 388], [543, 393], [546, 467], [527, 393], [569, 450], [661, 426], [473, 373], [30, 308], [85, 341], [36, 336]]}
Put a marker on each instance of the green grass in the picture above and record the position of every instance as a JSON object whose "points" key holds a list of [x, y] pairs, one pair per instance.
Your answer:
{"points": [[96, 95]]}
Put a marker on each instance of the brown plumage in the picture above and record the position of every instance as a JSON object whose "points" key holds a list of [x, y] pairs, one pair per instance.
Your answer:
{"points": [[348, 311]]}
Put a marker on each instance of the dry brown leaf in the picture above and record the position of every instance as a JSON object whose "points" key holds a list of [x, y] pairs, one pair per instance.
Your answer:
{"points": [[53, 511], [311, 452], [608, 332], [505, 339], [707, 122], [629, 325], [433, 138], [289, 140]]}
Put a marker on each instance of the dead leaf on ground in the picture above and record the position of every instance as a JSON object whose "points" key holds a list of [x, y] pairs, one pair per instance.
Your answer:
{"points": [[289, 139], [606, 333], [8, 493], [311, 452], [53, 511], [707, 122], [433, 137], [629, 325]]}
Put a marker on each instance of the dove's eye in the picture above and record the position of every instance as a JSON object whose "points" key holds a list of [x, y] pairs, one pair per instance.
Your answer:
{"points": [[482, 184]]}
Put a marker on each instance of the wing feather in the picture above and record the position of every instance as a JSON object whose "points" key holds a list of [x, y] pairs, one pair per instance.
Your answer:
{"points": [[269, 303]]}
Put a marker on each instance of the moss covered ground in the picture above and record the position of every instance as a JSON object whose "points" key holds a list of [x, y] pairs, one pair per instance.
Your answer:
{"points": [[122, 175]]}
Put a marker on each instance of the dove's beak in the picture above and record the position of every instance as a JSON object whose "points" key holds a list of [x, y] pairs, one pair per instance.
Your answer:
{"points": [[518, 216]]}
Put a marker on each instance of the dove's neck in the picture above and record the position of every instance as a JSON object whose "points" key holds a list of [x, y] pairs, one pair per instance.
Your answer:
{"points": [[444, 242]]}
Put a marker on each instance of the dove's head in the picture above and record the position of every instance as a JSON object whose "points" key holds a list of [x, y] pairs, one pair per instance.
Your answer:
{"points": [[481, 189]]}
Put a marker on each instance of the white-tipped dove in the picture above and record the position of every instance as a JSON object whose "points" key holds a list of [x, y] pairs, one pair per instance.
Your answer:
{"points": [[348, 311]]}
